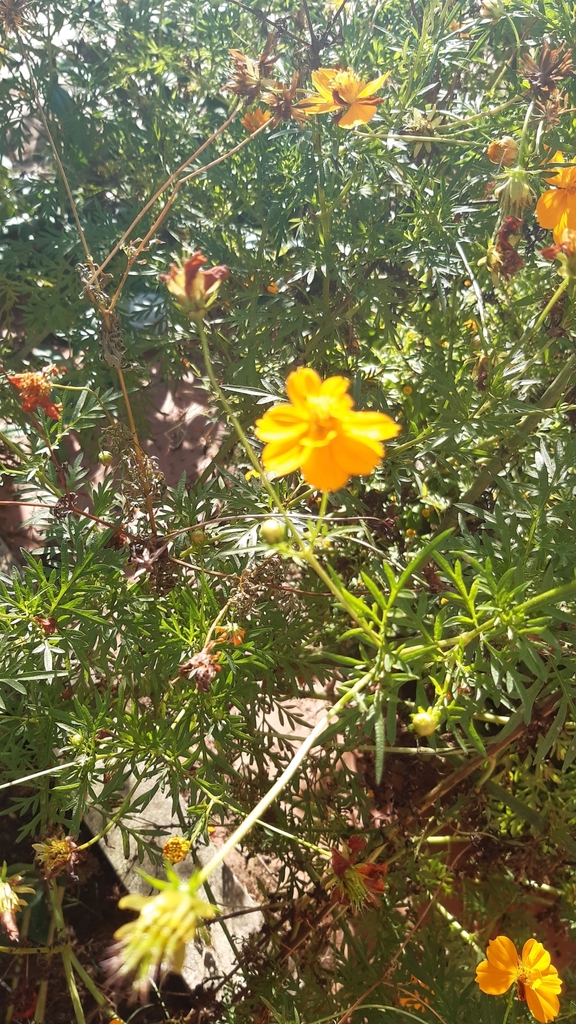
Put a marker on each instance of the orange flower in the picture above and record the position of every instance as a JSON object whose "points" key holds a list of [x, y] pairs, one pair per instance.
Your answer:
{"points": [[341, 90], [537, 980], [193, 288], [565, 252], [35, 387], [320, 433], [556, 208], [254, 119]]}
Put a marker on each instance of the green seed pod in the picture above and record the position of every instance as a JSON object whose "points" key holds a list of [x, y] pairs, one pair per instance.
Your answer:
{"points": [[105, 458]]}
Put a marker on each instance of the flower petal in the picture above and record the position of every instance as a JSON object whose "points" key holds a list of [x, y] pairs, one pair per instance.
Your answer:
{"points": [[543, 1004], [373, 86], [502, 953], [360, 112], [375, 425], [534, 956], [356, 457], [280, 458], [322, 80], [302, 384], [550, 207], [283, 421], [492, 980], [320, 470], [335, 387]]}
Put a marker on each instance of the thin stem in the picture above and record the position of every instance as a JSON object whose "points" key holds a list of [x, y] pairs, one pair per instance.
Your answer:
{"points": [[116, 817], [269, 798], [455, 924], [96, 995], [138, 450]]}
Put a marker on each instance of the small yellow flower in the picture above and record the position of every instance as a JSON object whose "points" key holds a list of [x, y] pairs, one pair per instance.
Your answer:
{"points": [[272, 288], [537, 980], [556, 208], [320, 433], [176, 849], [156, 941], [341, 90]]}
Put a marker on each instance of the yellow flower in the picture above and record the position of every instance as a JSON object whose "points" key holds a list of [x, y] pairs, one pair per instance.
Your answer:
{"points": [[341, 90], [320, 433], [155, 942], [556, 208], [537, 980], [194, 289], [56, 853]]}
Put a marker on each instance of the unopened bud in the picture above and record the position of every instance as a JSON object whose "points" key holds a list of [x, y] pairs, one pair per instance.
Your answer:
{"points": [[272, 531], [105, 458], [425, 723], [503, 151]]}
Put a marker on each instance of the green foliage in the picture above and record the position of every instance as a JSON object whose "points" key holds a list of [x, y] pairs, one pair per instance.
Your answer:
{"points": [[444, 580]]}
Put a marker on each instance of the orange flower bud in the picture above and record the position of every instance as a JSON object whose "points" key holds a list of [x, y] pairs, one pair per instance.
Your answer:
{"points": [[503, 151], [193, 288]]}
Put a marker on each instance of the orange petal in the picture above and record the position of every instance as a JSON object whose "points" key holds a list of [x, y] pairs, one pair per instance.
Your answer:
{"points": [[283, 421], [279, 458], [301, 384], [492, 980], [375, 425], [316, 105], [535, 956], [360, 112], [322, 80], [542, 1004], [335, 387], [321, 471], [550, 207], [355, 457], [558, 172]]}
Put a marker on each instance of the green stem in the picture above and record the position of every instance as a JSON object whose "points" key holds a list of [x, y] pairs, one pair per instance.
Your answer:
{"points": [[261, 807], [454, 924], [508, 1006], [116, 817]]}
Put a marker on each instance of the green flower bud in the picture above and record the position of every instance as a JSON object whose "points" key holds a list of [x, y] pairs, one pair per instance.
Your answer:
{"points": [[272, 531], [105, 458], [424, 722]]}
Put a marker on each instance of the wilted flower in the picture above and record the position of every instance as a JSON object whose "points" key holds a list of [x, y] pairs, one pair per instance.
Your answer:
{"points": [[425, 123], [203, 667], [155, 942], [231, 634], [250, 77], [501, 258], [537, 980], [281, 100], [55, 854], [254, 119], [565, 252], [10, 902], [353, 883], [503, 151], [556, 208], [552, 67], [176, 849], [49, 626], [320, 433], [35, 387], [193, 288], [341, 90]]}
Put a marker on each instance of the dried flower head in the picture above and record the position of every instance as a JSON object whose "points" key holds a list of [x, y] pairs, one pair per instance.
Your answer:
{"points": [[176, 849], [250, 77], [501, 258], [537, 980], [13, 14], [155, 942], [35, 387], [340, 90], [10, 902], [550, 68], [423, 122], [503, 151], [549, 111], [193, 288], [55, 854], [203, 667], [355, 884]]}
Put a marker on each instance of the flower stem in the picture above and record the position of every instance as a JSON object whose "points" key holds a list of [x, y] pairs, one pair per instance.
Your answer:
{"points": [[311, 740]]}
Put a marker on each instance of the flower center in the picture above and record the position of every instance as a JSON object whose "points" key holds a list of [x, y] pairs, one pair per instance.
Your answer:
{"points": [[345, 87], [323, 421]]}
